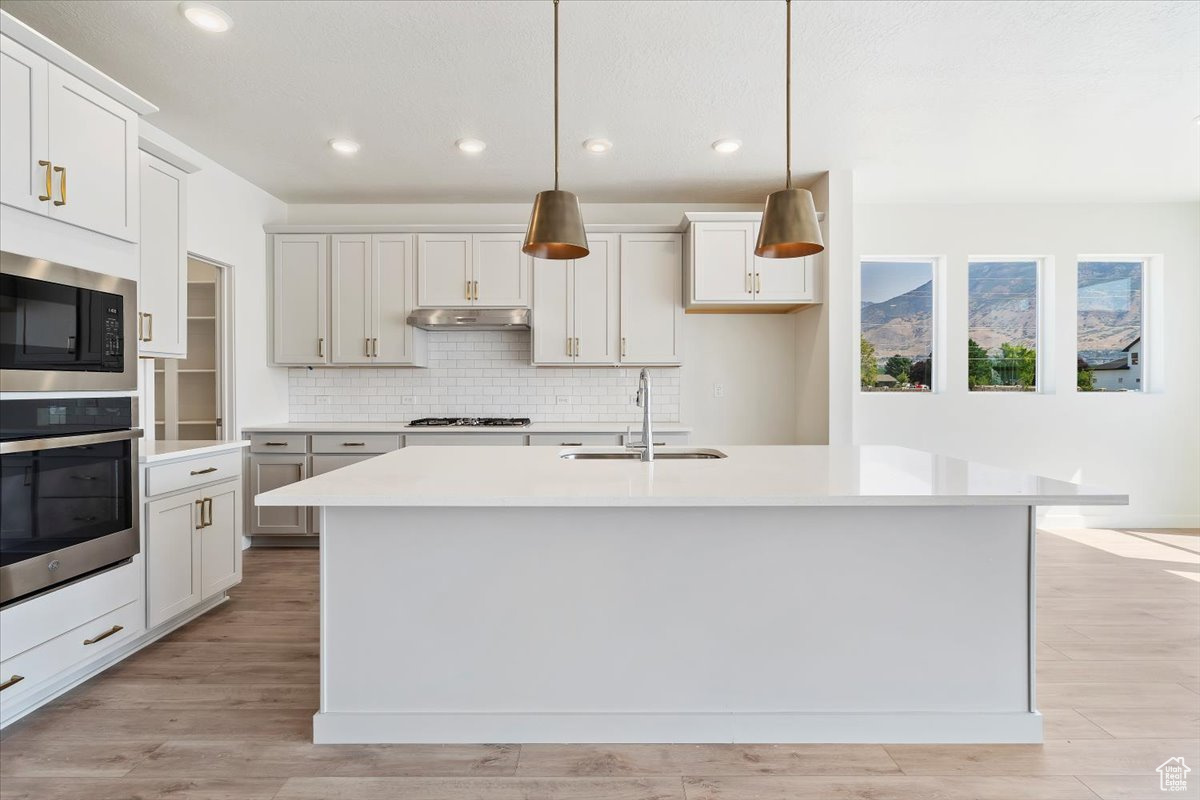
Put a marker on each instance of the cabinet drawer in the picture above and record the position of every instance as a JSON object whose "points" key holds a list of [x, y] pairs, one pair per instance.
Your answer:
{"points": [[468, 439], [32, 622], [353, 443], [164, 478], [50, 660], [574, 439], [278, 443]]}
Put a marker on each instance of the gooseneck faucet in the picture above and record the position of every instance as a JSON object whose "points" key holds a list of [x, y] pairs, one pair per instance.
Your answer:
{"points": [[646, 445]]}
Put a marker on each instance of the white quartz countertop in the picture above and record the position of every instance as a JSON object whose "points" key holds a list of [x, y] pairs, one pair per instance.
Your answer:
{"points": [[401, 427], [750, 476], [170, 450]]}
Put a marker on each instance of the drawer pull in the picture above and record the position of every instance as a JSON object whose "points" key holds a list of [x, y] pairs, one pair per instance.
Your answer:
{"points": [[13, 680], [204, 471], [354, 444], [105, 635], [570, 444], [275, 444]]}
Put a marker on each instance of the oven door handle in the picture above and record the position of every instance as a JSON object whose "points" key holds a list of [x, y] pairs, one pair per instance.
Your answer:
{"points": [[54, 442]]}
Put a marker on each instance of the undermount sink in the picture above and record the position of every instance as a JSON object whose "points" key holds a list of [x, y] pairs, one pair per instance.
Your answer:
{"points": [[660, 454]]}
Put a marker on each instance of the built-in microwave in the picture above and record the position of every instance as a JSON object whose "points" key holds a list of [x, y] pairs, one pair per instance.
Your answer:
{"points": [[64, 328]]}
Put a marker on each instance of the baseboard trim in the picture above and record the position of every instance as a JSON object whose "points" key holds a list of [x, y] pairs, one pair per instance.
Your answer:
{"points": [[70, 680], [1109, 519], [1021, 727]]}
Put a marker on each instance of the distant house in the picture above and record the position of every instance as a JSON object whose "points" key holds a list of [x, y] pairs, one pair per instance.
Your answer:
{"points": [[886, 381], [1120, 374]]}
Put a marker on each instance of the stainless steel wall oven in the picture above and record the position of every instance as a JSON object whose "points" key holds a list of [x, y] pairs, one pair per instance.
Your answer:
{"points": [[68, 490]]}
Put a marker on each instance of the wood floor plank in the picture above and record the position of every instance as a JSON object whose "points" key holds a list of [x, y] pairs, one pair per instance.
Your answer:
{"points": [[117, 694], [891, 788], [1136, 787], [1124, 723], [270, 760], [133, 789], [1067, 671], [107, 758], [481, 789], [1067, 723], [1114, 695], [1069, 757], [69, 724], [569, 760]]}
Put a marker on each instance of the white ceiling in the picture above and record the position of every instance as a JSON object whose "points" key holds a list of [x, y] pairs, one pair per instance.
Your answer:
{"points": [[925, 101]]}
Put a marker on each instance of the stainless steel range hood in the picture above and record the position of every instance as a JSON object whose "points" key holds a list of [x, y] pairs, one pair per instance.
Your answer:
{"points": [[474, 319]]}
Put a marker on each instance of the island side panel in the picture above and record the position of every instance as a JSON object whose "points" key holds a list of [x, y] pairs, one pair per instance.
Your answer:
{"points": [[687, 625]]}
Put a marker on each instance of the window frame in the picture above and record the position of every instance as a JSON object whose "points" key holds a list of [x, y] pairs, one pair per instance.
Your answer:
{"points": [[1043, 294], [938, 382]]}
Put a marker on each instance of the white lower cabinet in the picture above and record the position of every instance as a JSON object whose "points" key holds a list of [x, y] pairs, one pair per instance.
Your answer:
{"points": [[269, 472], [193, 548]]}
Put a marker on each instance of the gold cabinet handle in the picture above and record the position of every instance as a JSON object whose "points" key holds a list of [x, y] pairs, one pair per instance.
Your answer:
{"points": [[205, 471], [15, 679], [208, 505], [62, 186], [354, 444], [374, 347], [475, 290], [321, 347], [149, 326], [577, 347], [569, 346], [105, 635], [200, 514], [275, 444], [367, 347], [570, 444], [622, 346], [49, 184], [758, 283], [468, 290]]}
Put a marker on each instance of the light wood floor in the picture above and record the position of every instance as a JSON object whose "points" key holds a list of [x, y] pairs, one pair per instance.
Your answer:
{"points": [[221, 710]]}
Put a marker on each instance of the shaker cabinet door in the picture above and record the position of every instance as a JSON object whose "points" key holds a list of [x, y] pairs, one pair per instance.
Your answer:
{"points": [[651, 298], [552, 328], [500, 275], [173, 563], [301, 291], [722, 262], [351, 296], [162, 254], [444, 269], [595, 300], [23, 138], [221, 539], [394, 284]]}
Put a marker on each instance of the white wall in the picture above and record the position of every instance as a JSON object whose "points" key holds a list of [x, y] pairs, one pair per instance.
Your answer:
{"points": [[1145, 444], [226, 214]]}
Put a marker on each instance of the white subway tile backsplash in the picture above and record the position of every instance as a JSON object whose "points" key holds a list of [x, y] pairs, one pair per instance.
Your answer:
{"points": [[477, 373]]}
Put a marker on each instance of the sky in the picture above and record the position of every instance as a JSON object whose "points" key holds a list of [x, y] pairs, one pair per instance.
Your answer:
{"points": [[883, 280]]}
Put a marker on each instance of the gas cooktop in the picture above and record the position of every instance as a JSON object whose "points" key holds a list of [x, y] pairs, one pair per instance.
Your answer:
{"points": [[469, 422]]}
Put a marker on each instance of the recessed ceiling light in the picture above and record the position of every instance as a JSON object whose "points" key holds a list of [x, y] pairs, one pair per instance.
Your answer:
{"points": [[597, 145], [206, 17], [471, 145], [727, 145], [346, 147]]}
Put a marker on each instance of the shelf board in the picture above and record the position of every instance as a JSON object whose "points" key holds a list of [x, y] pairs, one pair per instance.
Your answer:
{"points": [[195, 370], [190, 318], [202, 283], [197, 422]]}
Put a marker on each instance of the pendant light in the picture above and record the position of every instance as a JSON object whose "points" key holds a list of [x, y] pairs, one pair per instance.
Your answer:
{"points": [[556, 224], [789, 223]]}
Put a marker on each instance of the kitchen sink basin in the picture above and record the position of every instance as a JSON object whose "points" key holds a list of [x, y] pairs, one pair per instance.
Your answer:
{"points": [[660, 454]]}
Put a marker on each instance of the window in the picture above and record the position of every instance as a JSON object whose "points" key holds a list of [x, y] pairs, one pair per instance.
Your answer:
{"points": [[1002, 313], [896, 344], [1109, 326]]}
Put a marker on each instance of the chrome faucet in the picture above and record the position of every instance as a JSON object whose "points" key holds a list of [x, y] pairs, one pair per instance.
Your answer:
{"points": [[646, 445]]}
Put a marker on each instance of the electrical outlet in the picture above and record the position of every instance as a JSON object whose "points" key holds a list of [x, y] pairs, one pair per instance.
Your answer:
{"points": [[718, 390], [324, 400], [563, 400], [408, 400]]}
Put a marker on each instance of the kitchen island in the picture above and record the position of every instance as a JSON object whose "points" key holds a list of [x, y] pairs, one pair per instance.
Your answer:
{"points": [[780, 594]]}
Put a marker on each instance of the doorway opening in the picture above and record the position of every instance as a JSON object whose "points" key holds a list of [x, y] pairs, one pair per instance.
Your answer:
{"points": [[190, 394]]}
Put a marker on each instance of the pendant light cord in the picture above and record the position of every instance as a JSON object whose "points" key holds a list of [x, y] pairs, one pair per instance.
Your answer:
{"points": [[788, 82], [556, 95]]}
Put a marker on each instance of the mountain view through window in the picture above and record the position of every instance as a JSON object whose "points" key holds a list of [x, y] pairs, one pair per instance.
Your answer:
{"points": [[897, 326], [1002, 317]]}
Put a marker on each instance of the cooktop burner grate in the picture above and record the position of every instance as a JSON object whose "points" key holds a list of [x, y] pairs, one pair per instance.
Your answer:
{"points": [[469, 422]]}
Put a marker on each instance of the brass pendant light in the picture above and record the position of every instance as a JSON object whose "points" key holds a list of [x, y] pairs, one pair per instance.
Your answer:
{"points": [[789, 223], [556, 224]]}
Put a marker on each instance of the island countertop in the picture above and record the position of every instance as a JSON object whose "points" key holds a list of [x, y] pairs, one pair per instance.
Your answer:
{"points": [[751, 476]]}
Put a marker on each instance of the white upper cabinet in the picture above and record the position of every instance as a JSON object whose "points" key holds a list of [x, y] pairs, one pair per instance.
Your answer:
{"points": [[300, 298], [575, 306], [722, 272], [23, 117], [444, 269], [351, 295], [501, 271], [471, 269], [596, 292], [162, 254], [67, 149], [394, 283], [651, 313]]}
